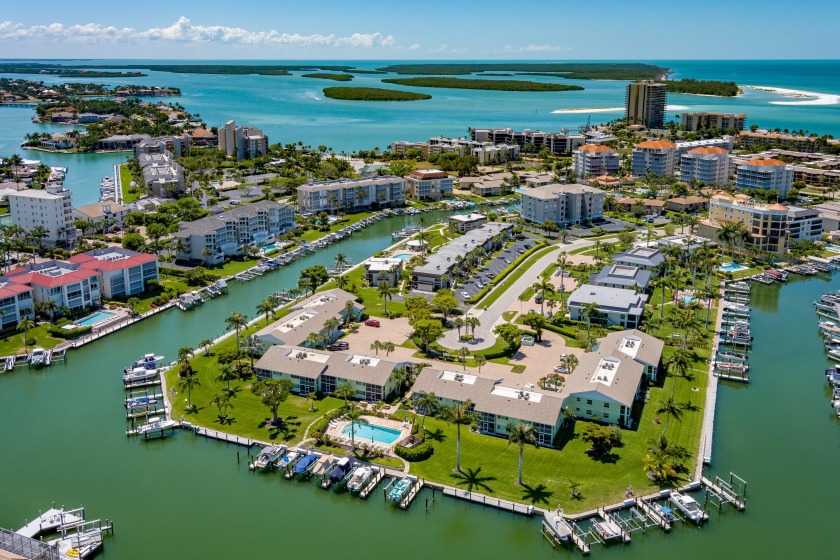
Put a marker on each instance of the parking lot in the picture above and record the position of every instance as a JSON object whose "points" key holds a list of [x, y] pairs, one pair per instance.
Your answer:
{"points": [[493, 268]]}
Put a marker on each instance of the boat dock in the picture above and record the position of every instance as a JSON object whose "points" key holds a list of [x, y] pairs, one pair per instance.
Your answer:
{"points": [[416, 486], [221, 436], [482, 499], [76, 536], [52, 520], [377, 477]]}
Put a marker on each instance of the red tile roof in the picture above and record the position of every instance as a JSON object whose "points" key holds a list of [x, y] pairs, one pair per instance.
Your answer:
{"points": [[708, 151], [63, 280], [11, 289], [92, 263], [656, 144], [595, 148], [765, 162]]}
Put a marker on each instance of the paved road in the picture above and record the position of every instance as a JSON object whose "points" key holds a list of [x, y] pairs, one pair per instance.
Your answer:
{"points": [[491, 316]]}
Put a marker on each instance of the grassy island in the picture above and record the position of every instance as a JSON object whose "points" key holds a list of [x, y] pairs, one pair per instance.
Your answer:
{"points": [[703, 87], [372, 94], [64, 71], [581, 71], [464, 83], [328, 76]]}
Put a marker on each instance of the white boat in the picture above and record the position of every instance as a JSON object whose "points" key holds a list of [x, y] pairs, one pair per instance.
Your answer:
{"points": [[37, 357], [358, 479], [149, 361], [156, 424], [689, 507], [139, 374], [288, 459], [267, 457], [559, 525], [399, 489]]}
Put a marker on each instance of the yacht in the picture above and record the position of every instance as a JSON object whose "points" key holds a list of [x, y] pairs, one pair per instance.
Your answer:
{"points": [[38, 357], [360, 476], [139, 374], [689, 507], [267, 457], [156, 424], [149, 361]]}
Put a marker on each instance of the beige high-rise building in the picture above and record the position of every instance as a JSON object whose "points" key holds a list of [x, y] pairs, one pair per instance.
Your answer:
{"points": [[645, 104], [693, 122]]}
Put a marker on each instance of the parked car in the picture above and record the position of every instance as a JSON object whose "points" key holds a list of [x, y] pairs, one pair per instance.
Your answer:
{"points": [[527, 245], [480, 283], [521, 251], [491, 275], [538, 299], [372, 323], [341, 345], [507, 260], [561, 369], [465, 295]]}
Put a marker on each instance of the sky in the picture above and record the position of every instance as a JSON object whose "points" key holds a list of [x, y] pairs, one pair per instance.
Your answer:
{"points": [[427, 30]]}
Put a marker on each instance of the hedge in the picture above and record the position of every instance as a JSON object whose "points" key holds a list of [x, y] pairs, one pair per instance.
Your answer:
{"points": [[58, 332], [415, 454], [318, 427], [504, 273]]}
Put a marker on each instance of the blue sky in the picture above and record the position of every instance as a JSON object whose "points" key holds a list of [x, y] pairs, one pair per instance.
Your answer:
{"points": [[431, 29]]}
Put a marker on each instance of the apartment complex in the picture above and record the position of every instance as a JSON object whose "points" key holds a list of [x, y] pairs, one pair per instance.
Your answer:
{"points": [[429, 184], [764, 174], [383, 269], [564, 204], [645, 104], [64, 283], [694, 121], [622, 276], [174, 144], [769, 139], [467, 222], [613, 306], [162, 175], [555, 142], [706, 165], [766, 223], [242, 142], [726, 142], [351, 195], [212, 238], [103, 215], [655, 156], [50, 208], [804, 224], [595, 159], [645, 258], [310, 317], [16, 302], [440, 268], [122, 273]]}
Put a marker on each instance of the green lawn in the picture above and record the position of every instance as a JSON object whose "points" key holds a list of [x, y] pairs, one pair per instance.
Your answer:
{"points": [[374, 305], [248, 414], [503, 286], [126, 178], [12, 341]]}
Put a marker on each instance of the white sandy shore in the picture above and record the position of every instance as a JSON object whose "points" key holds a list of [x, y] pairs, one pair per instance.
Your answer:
{"points": [[609, 110], [808, 97]]}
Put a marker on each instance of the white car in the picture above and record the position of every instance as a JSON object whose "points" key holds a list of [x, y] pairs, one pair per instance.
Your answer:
{"points": [[480, 283], [465, 295]]}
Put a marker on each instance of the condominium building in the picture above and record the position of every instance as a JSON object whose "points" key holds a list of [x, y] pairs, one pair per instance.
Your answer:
{"points": [[555, 142], [467, 222], [655, 156], [706, 165], [122, 273], [765, 174], [645, 258], [351, 195], [51, 208], [162, 175], [564, 204], [498, 153], [595, 159], [174, 144], [64, 283], [766, 223], [16, 302], [429, 184], [804, 223], [613, 306], [103, 215], [691, 203], [645, 104], [694, 121], [441, 267], [768, 139], [121, 141], [622, 276], [726, 142], [212, 238], [383, 269], [309, 317], [242, 142]]}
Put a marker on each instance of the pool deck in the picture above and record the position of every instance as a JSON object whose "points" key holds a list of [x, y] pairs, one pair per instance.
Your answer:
{"points": [[336, 429]]}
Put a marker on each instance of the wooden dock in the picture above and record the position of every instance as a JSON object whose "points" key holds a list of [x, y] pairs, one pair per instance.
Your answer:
{"points": [[484, 500], [222, 436], [745, 378], [650, 512], [605, 515], [578, 540], [724, 494], [372, 483], [52, 520], [412, 493]]}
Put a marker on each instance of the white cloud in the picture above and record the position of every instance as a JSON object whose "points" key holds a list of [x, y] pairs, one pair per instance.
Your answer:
{"points": [[542, 48], [185, 31]]}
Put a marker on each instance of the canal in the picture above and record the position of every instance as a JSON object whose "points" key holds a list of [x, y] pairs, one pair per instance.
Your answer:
{"points": [[186, 497]]}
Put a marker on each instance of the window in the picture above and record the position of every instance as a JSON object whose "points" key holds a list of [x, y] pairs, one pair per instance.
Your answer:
{"points": [[606, 415], [588, 401], [606, 405]]}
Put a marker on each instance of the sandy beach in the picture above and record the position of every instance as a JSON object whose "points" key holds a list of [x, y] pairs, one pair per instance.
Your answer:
{"points": [[807, 97]]}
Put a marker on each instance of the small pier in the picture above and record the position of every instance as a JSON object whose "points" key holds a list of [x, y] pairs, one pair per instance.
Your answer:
{"points": [[377, 477], [221, 436], [415, 488], [52, 520], [721, 491], [654, 515], [484, 500]]}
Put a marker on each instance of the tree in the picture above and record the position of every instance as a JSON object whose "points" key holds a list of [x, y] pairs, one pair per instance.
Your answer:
{"points": [[600, 438], [417, 308], [349, 307], [460, 414], [685, 319], [222, 402], [508, 332], [428, 330], [267, 306], [522, 435], [188, 380], [226, 375], [463, 355], [354, 414], [536, 322], [572, 363], [237, 322], [345, 391], [671, 409], [331, 325], [341, 261], [312, 397], [25, 324], [313, 277], [133, 242], [207, 343], [445, 302], [402, 377], [587, 312], [480, 360], [664, 458], [386, 291], [471, 322], [273, 393], [376, 346], [543, 287], [562, 261], [426, 403], [388, 347]]}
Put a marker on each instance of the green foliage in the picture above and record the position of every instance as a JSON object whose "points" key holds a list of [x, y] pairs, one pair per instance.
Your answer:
{"points": [[58, 332], [133, 242], [415, 454], [196, 276], [582, 71], [702, 87], [462, 83], [326, 76], [372, 94], [319, 427]]}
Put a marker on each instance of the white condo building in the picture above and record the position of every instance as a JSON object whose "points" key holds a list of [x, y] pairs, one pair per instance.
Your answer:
{"points": [[242, 142], [564, 204], [707, 165], [50, 208], [350, 195], [765, 174], [595, 159]]}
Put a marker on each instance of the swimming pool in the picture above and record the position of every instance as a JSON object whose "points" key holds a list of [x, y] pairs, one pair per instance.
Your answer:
{"points": [[689, 299], [403, 256], [832, 247], [94, 319], [375, 433], [732, 267]]}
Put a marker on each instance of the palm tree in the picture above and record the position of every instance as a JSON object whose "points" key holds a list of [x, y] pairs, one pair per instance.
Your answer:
{"points": [[237, 322], [402, 377], [426, 403], [480, 360], [562, 261], [388, 347], [25, 324], [376, 346], [226, 375], [709, 293], [472, 322], [543, 287], [349, 307], [188, 381], [345, 391], [207, 343], [340, 261], [386, 291], [686, 320], [312, 397], [459, 324], [460, 414], [463, 354], [587, 312], [522, 435], [354, 414], [670, 408], [571, 363], [267, 306], [222, 402]]}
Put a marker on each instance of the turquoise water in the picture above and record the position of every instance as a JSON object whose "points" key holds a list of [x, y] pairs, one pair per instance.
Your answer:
{"points": [[292, 108], [403, 256], [732, 267], [369, 432], [832, 247], [94, 319], [689, 299]]}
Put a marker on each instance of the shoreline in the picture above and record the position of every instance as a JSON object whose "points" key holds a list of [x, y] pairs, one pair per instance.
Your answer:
{"points": [[585, 110], [807, 97]]}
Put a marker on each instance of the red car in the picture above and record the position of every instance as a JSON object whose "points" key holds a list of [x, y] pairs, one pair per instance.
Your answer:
{"points": [[372, 323]]}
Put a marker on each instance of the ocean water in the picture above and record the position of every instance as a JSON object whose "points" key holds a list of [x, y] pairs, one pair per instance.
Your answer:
{"points": [[292, 108]]}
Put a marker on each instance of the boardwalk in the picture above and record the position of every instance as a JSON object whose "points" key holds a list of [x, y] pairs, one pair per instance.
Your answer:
{"points": [[707, 437]]}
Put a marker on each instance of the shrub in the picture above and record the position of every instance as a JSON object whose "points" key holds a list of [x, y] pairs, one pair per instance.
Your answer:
{"points": [[58, 332], [415, 454], [320, 426]]}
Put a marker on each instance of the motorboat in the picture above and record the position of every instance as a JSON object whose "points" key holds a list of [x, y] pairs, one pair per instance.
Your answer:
{"points": [[137, 402], [139, 374], [288, 459], [306, 463], [38, 357], [689, 507], [342, 467], [358, 479], [399, 489], [267, 457], [149, 361], [156, 424], [559, 525], [664, 512], [607, 529]]}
